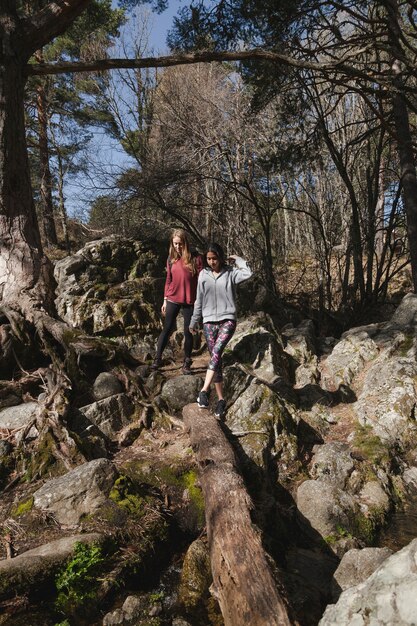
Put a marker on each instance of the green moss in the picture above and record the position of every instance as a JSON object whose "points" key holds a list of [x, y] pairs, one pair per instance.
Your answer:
{"points": [[42, 459], [370, 445], [405, 345], [22, 508], [190, 479], [125, 495], [179, 476], [340, 533], [365, 527]]}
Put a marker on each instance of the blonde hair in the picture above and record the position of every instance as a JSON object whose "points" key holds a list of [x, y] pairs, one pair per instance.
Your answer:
{"points": [[186, 255]]}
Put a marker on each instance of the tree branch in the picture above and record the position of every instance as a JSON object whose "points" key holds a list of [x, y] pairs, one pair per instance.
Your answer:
{"points": [[341, 65], [51, 21]]}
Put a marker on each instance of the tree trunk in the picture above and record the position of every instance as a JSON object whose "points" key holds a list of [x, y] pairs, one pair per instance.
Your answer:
{"points": [[242, 577], [24, 270], [403, 135], [46, 178]]}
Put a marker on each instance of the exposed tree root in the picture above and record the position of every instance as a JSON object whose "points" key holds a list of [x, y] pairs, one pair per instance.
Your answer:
{"points": [[71, 358]]}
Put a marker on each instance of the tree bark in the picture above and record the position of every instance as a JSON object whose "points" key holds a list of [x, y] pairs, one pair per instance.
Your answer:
{"points": [[242, 577], [403, 135], [26, 281], [46, 177], [24, 271]]}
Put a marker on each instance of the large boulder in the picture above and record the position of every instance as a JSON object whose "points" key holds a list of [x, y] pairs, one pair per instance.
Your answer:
{"points": [[257, 345], [348, 358], [181, 390], [332, 462], [406, 313], [105, 385], [300, 345], [109, 415], [356, 566], [79, 492], [388, 401], [327, 508], [387, 598], [110, 287], [264, 422]]}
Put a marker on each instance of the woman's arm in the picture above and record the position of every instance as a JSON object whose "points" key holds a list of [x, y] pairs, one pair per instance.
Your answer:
{"points": [[241, 270], [198, 305], [168, 281]]}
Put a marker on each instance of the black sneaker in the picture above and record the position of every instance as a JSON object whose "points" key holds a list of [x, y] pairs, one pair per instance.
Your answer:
{"points": [[202, 400], [186, 368], [220, 408]]}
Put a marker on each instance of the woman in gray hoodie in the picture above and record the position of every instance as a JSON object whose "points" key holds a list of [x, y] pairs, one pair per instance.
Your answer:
{"points": [[215, 304]]}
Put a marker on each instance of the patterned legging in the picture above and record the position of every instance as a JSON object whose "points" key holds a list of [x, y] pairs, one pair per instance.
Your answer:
{"points": [[218, 335]]}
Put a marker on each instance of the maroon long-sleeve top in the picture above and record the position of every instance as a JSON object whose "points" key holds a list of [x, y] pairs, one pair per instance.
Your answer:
{"points": [[181, 283]]}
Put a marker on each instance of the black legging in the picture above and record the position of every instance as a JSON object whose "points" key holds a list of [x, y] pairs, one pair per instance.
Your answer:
{"points": [[171, 314]]}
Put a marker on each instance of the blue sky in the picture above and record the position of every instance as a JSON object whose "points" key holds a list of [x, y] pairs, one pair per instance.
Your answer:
{"points": [[161, 24], [105, 153]]}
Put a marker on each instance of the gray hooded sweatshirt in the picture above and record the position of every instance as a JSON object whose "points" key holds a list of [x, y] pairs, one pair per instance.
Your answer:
{"points": [[215, 299]]}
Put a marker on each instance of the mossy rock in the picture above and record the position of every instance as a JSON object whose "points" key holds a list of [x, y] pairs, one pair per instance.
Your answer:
{"points": [[177, 481]]}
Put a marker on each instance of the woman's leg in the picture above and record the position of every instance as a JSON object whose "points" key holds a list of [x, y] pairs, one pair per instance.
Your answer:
{"points": [[171, 313], [217, 338], [187, 312]]}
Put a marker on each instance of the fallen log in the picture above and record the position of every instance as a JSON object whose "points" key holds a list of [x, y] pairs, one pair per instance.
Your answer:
{"points": [[242, 578]]}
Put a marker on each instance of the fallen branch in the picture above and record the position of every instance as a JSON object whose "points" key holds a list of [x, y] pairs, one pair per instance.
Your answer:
{"points": [[242, 578]]}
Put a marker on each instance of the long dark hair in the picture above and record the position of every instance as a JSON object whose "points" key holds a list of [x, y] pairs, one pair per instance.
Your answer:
{"points": [[218, 251]]}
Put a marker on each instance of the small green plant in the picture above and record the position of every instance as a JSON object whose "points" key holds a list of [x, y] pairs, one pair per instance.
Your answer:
{"points": [[77, 582]]}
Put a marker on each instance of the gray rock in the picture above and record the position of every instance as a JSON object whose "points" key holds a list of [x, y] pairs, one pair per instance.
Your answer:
{"points": [[301, 346], [114, 618], [356, 566], [79, 492], [258, 345], [105, 385], [32, 568], [373, 497], [387, 598], [326, 507], [410, 479], [388, 398], [332, 462], [264, 422], [406, 314], [133, 606], [181, 390], [132, 431], [347, 359], [195, 576], [236, 381], [108, 288], [110, 414], [143, 371], [18, 417]]}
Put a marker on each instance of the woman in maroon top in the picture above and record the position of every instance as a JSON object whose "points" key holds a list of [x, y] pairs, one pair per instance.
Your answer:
{"points": [[180, 292]]}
